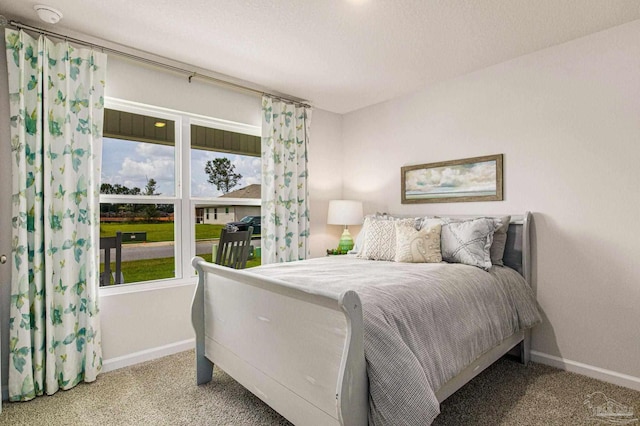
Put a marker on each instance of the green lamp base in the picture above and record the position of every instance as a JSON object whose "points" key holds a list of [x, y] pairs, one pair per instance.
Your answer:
{"points": [[346, 242]]}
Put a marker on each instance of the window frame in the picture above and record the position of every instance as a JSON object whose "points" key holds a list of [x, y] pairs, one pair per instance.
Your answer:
{"points": [[184, 204]]}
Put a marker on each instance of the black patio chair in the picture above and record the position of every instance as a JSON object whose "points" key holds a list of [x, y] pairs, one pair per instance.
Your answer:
{"points": [[106, 244], [233, 248]]}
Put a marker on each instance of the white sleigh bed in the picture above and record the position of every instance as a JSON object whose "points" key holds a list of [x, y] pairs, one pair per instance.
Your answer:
{"points": [[301, 349]]}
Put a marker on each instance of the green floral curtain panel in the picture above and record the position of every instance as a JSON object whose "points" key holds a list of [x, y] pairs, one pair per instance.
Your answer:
{"points": [[56, 107], [285, 195]]}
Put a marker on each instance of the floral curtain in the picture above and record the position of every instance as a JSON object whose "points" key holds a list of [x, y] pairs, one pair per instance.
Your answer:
{"points": [[56, 108], [285, 195]]}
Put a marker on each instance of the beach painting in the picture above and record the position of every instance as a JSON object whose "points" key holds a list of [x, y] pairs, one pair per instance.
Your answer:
{"points": [[468, 179]]}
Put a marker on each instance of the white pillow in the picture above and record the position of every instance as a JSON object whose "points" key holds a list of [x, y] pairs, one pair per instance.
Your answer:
{"points": [[413, 246], [380, 238], [468, 242], [362, 235]]}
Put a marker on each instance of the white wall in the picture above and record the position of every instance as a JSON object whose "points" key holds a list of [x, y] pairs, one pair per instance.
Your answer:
{"points": [[133, 81], [137, 323], [325, 178], [567, 120]]}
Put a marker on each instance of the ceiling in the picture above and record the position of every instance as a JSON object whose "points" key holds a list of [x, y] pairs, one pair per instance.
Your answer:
{"points": [[340, 55]]}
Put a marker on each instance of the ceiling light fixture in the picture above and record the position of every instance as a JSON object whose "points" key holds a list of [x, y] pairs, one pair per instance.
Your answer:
{"points": [[160, 124], [48, 14]]}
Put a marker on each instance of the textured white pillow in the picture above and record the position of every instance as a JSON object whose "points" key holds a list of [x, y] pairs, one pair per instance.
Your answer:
{"points": [[380, 238], [362, 235], [468, 242], [413, 246]]}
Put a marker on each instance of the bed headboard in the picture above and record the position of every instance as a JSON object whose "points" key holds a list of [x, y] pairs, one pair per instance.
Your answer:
{"points": [[517, 252]]}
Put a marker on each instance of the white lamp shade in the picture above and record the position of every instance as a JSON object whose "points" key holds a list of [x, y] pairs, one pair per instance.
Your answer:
{"points": [[344, 212]]}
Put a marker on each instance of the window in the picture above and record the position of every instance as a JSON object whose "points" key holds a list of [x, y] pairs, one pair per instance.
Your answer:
{"points": [[225, 178], [138, 194], [147, 154]]}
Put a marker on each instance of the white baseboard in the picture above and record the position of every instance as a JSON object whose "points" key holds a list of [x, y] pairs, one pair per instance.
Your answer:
{"points": [[147, 355], [134, 358], [609, 376]]}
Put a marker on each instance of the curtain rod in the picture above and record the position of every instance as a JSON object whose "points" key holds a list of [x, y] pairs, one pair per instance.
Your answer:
{"points": [[158, 64]]}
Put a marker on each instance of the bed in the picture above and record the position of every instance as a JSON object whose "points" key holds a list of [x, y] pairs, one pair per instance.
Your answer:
{"points": [[296, 334]]}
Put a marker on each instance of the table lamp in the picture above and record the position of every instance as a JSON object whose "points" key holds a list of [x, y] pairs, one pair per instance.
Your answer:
{"points": [[345, 212]]}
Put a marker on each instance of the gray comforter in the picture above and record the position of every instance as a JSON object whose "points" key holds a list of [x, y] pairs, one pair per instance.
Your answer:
{"points": [[423, 323]]}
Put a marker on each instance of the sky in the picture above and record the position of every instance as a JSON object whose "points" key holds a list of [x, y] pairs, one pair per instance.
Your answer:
{"points": [[132, 163]]}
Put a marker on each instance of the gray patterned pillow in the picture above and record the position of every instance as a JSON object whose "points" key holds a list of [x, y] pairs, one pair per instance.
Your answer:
{"points": [[496, 252], [500, 241], [380, 238], [468, 242], [413, 246]]}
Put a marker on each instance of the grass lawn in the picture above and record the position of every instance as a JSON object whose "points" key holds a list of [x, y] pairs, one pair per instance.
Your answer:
{"points": [[157, 269], [158, 231], [205, 231]]}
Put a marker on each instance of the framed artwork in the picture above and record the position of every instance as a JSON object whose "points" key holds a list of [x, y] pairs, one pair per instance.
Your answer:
{"points": [[469, 179]]}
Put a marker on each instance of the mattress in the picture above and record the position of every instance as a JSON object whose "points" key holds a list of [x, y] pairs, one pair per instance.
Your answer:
{"points": [[423, 323]]}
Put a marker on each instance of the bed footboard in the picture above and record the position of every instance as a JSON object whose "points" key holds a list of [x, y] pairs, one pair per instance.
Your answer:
{"points": [[204, 367], [300, 350]]}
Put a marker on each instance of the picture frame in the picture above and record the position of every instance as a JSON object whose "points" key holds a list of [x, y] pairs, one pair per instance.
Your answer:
{"points": [[464, 180]]}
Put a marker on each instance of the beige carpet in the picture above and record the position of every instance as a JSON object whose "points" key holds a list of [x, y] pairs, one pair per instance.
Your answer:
{"points": [[163, 392]]}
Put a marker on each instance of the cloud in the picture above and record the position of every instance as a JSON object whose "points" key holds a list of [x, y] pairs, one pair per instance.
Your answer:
{"points": [[131, 163], [204, 189], [154, 150], [137, 172]]}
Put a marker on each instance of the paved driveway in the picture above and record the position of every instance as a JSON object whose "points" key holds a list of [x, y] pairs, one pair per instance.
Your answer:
{"points": [[143, 251]]}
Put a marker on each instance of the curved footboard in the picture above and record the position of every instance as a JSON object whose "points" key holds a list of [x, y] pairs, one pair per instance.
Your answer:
{"points": [[298, 349]]}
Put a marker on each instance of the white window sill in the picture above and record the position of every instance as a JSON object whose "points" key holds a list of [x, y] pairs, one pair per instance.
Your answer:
{"points": [[146, 286]]}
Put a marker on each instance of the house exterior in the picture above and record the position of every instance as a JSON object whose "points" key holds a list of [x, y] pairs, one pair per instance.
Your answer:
{"points": [[215, 215], [221, 214]]}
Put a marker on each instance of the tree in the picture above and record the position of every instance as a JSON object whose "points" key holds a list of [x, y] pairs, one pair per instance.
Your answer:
{"points": [[117, 189], [150, 189], [151, 210], [222, 174]]}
